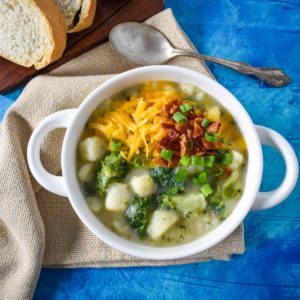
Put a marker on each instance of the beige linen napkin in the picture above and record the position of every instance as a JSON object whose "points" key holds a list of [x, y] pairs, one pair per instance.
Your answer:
{"points": [[39, 228]]}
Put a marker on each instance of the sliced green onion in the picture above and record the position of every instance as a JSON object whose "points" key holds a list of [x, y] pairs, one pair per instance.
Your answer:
{"points": [[190, 144], [205, 123], [198, 160], [115, 145], [227, 158], [210, 137], [209, 161], [181, 175], [166, 154], [179, 117], [229, 192], [139, 162], [206, 190], [201, 178], [215, 171], [185, 107], [189, 99], [185, 160]]}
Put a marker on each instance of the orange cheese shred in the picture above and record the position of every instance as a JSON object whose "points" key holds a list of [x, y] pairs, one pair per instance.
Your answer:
{"points": [[137, 121]]}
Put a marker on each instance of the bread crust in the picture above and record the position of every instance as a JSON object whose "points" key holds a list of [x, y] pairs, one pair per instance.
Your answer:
{"points": [[57, 32], [86, 16]]}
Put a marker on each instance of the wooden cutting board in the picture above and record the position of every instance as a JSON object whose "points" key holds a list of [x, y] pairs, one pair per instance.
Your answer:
{"points": [[109, 13]]}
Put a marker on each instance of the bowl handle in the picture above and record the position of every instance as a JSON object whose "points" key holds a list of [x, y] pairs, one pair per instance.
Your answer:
{"points": [[52, 183], [273, 139]]}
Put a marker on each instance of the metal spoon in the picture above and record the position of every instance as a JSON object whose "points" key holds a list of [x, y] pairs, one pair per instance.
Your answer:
{"points": [[145, 45]]}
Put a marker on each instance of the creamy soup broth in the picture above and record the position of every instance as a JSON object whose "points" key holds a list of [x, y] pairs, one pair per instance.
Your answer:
{"points": [[162, 163]]}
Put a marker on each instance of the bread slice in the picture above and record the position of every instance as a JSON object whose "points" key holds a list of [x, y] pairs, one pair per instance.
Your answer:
{"points": [[79, 14], [32, 32]]}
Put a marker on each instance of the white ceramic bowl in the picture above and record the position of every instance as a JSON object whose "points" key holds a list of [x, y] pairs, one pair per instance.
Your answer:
{"points": [[75, 119]]}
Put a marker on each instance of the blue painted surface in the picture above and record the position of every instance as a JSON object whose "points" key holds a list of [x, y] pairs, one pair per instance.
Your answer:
{"points": [[261, 33]]}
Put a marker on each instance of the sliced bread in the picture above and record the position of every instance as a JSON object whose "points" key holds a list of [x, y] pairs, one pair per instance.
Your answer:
{"points": [[79, 14], [32, 32]]}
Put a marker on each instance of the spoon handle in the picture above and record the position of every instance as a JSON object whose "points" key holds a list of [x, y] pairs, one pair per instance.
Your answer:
{"points": [[271, 76]]}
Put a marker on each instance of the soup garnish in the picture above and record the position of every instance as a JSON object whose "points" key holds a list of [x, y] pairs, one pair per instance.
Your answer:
{"points": [[162, 163]]}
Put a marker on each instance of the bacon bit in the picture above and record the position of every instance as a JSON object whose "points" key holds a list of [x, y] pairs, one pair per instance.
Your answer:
{"points": [[180, 128], [183, 144], [190, 115], [213, 127], [171, 108], [175, 160], [190, 133], [170, 141], [199, 152], [160, 162], [167, 126], [198, 130], [198, 147], [210, 146], [178, 136], [174, 109], [183, 128], [226, 173]]}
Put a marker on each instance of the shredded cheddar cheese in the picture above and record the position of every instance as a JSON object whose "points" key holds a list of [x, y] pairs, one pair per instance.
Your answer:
{"points": [[137, 121]]}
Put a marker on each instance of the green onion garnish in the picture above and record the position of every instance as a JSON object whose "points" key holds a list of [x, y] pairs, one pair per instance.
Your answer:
{"points": [[227, 159], [215, 171], [198, 160], [209, 161], [139, 162], [166, 154], [229, 192], [179, 117], [185, 160], [201, 178], [190, 144], [206, 190], [205, 123], [181, 175], [185, 107], [115, 145], [210, 137]]}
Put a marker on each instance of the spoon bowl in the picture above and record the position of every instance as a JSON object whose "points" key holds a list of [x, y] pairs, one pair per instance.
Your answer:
{"points": [[141, 44]]}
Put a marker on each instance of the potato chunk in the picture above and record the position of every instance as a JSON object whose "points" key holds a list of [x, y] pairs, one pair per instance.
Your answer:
{"points": [[92, 149], [143, 185], [160, 222], [190, 203], [237, 160], [199, 95], [94, 203], [214, 113], [118, 197], [188, 89], [86, 172]]}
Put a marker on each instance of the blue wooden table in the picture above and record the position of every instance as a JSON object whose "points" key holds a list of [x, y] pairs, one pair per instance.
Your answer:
{"points": [[261, 32]]}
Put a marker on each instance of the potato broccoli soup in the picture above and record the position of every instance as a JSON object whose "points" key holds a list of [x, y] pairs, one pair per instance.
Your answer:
{"points": [[161, 163]]}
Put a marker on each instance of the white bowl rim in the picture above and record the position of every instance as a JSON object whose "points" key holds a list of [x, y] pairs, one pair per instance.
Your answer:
{"points": [[162, 72]]}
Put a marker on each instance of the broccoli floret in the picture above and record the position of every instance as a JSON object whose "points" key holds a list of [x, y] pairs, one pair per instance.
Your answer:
{"points": [[138, 214], [167, 179], [165, 202], [216, 203], [111, 169], [162, 175]]}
